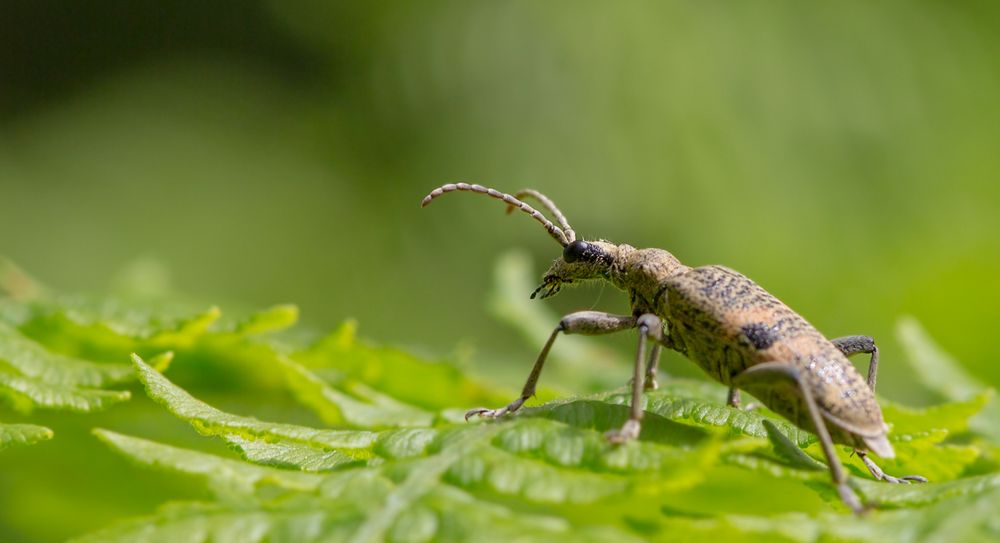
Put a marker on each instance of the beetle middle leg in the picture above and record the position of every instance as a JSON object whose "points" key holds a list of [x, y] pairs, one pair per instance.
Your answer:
{"points": [[581, 322], [850, 345], [650, 327], [770, 374]]}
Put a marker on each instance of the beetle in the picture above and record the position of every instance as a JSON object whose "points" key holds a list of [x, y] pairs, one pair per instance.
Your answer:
{"points": [[737, 332]]}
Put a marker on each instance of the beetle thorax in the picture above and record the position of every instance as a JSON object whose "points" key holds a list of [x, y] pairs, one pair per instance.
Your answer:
{"points": [[642, 273]]}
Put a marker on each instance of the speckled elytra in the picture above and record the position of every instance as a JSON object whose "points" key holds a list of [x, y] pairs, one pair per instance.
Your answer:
{"points": [[736, 331]]}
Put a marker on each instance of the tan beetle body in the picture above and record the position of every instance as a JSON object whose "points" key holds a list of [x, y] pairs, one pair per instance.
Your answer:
{"points": [[726, 323]]}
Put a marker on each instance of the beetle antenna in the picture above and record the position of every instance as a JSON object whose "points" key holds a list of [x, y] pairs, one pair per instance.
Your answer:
{"points": [[551, 207], [552, 229]]}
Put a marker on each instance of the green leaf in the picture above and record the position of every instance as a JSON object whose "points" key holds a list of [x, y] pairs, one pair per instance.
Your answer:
{"points": [[925, 454], [940, 372], [34, 361], [603, 417], [444, 515], [790, 452], [269, 320], [289, 455], [366, 408], [889, 495], [936, 369], [682, 401], [223, 523], [953, 416], [221, 472], [427, 385], [154, 324], [210, 421], [33, 377], [25, 394], [965, 518], [113, 328], [22, 434]]}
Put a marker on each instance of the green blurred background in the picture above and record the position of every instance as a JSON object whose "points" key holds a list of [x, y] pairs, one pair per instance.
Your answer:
{"points": [[844, 156]]}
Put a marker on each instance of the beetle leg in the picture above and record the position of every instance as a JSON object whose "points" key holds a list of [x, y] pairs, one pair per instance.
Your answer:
{"points": [[777, 371], [654, 362], [581, 322], [650, 327], [883, 476], [733, 400], [866, 344], [861, 344]]}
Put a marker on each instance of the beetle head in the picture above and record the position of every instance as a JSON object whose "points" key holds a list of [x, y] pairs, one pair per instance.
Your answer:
{"points": [[581, 261]]}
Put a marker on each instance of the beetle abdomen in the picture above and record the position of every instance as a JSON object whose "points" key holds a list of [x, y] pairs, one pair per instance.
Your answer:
{"points": [[726, 323]]}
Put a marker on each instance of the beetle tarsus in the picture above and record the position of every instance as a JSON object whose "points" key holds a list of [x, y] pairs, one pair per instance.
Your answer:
{"points": [[495, 413], [883, 476], [628, 432], [733, 400]]}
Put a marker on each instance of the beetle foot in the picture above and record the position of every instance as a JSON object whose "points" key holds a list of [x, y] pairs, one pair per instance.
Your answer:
{"points": [[733, 400], [904, 480], [883, 476], [650, 382], [628, 432], [495, 413]]}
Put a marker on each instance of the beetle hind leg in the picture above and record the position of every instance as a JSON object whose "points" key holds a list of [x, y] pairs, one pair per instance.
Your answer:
{"points": [[777, 375], [883, 476]]}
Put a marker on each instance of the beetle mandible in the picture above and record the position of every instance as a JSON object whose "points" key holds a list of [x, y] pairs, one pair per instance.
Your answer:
{"points": [[736, 331]]}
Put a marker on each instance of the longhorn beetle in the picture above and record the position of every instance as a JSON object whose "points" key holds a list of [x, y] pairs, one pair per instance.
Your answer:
{"points": [[732, 328]]}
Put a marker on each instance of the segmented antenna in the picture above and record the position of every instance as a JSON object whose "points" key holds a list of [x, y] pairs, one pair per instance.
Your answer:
{"points": [[552, 229], [551, 207]]}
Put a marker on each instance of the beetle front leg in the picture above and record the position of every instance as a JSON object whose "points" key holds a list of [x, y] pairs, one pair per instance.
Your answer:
{"points": [[581, 322], [650, 327], [850, 345]]}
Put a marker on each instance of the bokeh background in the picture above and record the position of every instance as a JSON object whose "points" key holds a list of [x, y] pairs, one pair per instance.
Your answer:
{"points": [[844, 156]]}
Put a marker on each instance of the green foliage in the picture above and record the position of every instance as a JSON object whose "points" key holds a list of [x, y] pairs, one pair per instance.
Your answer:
{"points": [[33, 377], [389, 457], [22, 434]]}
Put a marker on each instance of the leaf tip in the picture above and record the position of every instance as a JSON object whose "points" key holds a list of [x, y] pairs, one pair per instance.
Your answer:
{"points": [[162, 361]]}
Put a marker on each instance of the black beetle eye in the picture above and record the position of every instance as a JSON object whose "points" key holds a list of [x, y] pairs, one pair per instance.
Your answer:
{"points": [[578, 250]]}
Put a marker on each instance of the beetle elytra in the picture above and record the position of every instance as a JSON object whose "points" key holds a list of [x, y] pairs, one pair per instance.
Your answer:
{"points": [[736, 331]]}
